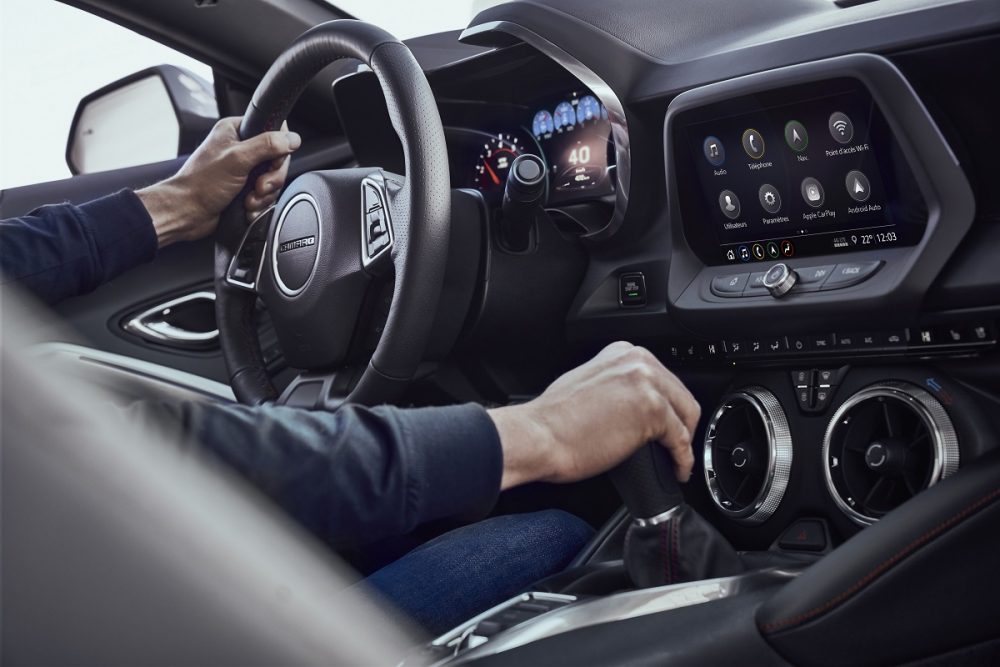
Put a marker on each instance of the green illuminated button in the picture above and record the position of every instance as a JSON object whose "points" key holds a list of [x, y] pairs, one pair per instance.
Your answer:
{"points": [[632, 290]]}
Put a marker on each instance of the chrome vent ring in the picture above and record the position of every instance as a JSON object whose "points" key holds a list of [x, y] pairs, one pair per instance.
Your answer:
{"points": [[748, 455], [884, 445]]}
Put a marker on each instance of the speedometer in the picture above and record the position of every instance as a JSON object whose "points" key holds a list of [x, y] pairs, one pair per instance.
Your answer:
{"points": [[494, 162]]}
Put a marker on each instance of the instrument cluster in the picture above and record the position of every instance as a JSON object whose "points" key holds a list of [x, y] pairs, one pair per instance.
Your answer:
{"points": [[570, 133]]}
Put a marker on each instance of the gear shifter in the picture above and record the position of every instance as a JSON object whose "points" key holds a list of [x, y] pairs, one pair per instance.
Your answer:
{"points": [[667, 542]]}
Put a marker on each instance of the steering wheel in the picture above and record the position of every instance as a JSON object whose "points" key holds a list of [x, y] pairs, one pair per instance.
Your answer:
{"points": [[325, 257]]}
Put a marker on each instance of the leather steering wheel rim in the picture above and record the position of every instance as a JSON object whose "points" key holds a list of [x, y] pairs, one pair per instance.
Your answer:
{"points": [[423, 202]]}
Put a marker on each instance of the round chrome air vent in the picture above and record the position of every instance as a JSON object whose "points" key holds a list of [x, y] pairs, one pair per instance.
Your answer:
{"points": [[748, 455], [884, 445]]}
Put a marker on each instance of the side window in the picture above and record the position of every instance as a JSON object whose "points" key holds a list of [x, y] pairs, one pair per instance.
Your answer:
{"points": [[52, 56]]}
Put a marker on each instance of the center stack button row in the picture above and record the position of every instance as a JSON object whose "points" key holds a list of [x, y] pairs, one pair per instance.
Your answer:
{"points": [[811, 279]]}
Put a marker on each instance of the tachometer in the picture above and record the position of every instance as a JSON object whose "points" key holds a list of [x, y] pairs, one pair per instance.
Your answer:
{"points": [[494, 162]]}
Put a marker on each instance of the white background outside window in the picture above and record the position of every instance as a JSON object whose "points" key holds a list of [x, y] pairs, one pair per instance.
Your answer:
{"points": [[51, 56]]}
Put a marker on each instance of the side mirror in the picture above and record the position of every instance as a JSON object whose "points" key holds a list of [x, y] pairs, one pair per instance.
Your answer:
{"points": [[157, 114]]}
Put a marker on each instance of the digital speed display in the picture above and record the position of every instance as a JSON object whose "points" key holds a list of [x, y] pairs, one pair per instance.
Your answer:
{"points": [[809, 170], [575, 137]]}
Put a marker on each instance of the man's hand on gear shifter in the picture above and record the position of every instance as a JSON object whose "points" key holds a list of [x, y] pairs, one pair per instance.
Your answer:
{"points": [[595, 416]]}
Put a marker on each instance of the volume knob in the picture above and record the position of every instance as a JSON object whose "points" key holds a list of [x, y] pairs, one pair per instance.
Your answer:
{"points": [[779, 280]]}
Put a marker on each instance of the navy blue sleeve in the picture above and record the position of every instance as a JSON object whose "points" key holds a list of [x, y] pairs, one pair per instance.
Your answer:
{"points": [[60, 251], [355, 475]]}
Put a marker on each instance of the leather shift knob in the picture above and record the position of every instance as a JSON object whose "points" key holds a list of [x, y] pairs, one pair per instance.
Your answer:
{"points": [[646, 482]]}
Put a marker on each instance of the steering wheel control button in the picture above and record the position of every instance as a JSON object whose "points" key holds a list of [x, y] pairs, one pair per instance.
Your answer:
{"points": [[796, 136], [376, 227], [779, 280], [804, 535], [715, 152], [841, 127], [858, 186], [850, 273], [769, 198], [296, 244], [753, 144], [632, 290], [730, 285], [729, 203], [812, 192]]}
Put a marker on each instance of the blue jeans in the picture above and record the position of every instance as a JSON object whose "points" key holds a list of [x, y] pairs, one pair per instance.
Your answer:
{"points": [[465, 572]]}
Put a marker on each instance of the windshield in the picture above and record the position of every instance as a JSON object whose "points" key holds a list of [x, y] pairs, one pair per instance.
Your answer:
{"points": [[413, 18]]}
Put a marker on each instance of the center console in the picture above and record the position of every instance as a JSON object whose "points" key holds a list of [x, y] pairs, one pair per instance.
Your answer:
{"points": [[804, 194]]}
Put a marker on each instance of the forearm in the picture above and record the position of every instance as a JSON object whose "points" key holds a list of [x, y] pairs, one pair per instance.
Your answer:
{"points": [[527, 451], [355, 475], [171, 209], [61, 251]]}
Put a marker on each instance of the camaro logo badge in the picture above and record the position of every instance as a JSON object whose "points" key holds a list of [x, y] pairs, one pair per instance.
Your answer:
{"points": [[297, 243]]}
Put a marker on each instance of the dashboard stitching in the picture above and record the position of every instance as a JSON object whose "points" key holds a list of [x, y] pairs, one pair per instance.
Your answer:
{"points": [[884, 566]]}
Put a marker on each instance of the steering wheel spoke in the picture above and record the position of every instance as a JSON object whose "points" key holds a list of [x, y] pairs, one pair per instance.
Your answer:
{"points": [[244, 269], [321, 391]]}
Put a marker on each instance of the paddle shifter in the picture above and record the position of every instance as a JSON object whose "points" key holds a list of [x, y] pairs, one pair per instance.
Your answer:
{"points": [[667, 542]]}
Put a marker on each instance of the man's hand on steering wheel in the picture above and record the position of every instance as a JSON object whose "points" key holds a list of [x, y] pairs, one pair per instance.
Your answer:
{"points": [[186, 207]]}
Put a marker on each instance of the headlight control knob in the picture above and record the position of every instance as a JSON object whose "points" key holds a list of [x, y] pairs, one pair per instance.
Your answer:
{"points": [[779, 280]]}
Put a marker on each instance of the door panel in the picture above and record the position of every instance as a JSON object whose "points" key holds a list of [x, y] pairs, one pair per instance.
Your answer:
{"points": [[96, 319]]}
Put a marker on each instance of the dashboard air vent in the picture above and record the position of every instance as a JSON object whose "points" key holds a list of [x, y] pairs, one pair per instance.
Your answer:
{"points": [[748, 455], [883, 446]]}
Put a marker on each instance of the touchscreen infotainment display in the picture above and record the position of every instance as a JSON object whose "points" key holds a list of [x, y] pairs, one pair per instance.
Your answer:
{"points": [[801, 171]]}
